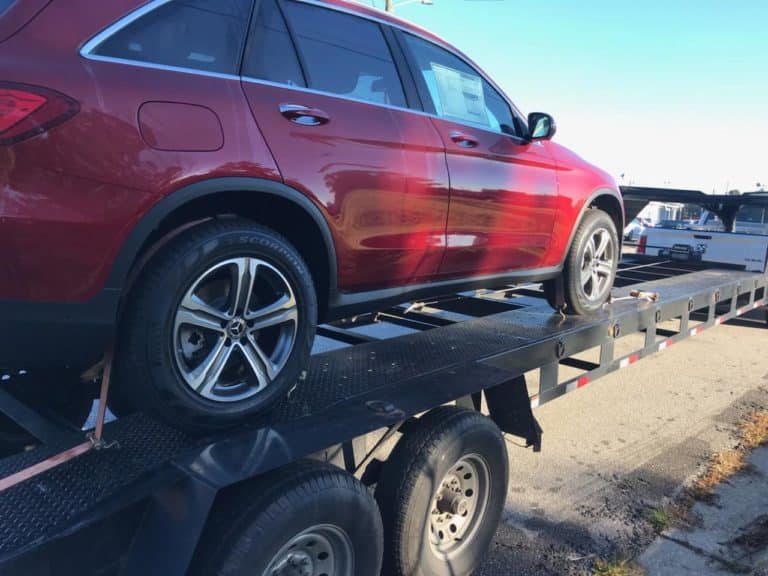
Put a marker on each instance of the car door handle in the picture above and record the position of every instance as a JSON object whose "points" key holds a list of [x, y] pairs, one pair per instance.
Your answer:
{"points": [[462, 139], [304, 115]]}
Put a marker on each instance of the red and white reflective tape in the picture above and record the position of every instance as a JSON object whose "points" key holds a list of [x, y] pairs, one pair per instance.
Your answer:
{"points": [[747, 308], [666, 344], [535, 401], [631, 359], [719, 320], [697, 330]]}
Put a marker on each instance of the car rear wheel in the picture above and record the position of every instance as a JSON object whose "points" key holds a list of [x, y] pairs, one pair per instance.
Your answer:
{"points": [[590, 266], [219, 326]]}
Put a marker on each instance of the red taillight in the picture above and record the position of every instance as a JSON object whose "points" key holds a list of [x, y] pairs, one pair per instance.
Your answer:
{"points": [[15, 105], [27, 111], [642, 243]]}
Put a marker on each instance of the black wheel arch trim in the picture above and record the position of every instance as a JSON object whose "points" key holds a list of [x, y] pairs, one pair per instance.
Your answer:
{"points": [[130, 250], [586, 207]]}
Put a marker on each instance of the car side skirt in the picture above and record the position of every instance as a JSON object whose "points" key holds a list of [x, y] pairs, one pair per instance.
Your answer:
{"points": [[343, 304]]}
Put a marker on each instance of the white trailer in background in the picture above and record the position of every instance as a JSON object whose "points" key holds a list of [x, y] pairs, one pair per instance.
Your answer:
{"points": [[732, 231]]}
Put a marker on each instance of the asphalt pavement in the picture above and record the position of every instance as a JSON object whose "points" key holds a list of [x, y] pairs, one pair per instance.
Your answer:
{"points": [[624, 445]]}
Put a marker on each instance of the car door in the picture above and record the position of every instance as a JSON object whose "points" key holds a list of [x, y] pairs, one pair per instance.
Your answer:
{"points": [[325, 93], [503, 189]]}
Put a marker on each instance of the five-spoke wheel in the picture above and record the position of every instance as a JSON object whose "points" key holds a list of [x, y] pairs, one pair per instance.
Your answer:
{"points": [[219, 325], [590, 266], [235, 329], [597, 265]]}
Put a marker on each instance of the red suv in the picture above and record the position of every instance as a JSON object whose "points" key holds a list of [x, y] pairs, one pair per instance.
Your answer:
{"points": [[205, 180]]}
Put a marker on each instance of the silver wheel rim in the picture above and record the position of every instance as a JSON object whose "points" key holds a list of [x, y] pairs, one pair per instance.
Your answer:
{"points": [[322, 550], [234, 329], [597, 264], [458, 506]]}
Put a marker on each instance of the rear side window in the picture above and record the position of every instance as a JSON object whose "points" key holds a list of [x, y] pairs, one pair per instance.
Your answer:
{"points": [[270, 54], [344, 54], [455, 89], [198, 34]]}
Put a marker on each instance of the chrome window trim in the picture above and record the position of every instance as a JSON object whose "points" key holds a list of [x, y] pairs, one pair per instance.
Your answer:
{"points": [[87, 49], [87, 52], [165, 67]]}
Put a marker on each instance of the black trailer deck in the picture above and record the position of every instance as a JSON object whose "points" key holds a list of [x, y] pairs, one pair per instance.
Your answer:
{"points": [[164, 481]]}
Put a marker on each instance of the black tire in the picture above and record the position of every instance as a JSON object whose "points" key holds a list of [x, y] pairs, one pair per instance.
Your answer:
{"points": [[425, 456], [252, 523], [577, 301], [549, 287], [147, 370], [118, 401]]}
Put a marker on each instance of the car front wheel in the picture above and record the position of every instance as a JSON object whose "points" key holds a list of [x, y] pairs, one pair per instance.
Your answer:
{"points": [[219, 326], [590, 266]]}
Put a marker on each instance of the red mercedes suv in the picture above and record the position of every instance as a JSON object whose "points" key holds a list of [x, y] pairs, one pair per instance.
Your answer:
{"points": [[206, 180]]}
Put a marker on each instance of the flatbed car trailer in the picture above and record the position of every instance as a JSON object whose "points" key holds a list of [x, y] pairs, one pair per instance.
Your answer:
{"points": [[148, 499]]}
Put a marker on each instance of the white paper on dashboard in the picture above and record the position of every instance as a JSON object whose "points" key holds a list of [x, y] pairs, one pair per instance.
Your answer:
{"points": [[461, 95]]}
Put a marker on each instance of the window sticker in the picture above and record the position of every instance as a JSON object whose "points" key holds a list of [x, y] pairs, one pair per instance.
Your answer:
{"points": [[461, 95]]}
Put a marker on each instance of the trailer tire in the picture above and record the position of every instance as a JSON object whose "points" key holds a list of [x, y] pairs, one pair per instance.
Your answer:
{"points": [[310, 513], [465, 452]]}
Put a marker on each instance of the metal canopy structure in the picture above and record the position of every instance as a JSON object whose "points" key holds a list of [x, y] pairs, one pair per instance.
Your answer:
{"points": [[724, 206]]}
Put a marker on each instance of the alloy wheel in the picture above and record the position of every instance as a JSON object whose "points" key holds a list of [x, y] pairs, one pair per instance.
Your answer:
{"points": [[597, 264], [234, 329]]}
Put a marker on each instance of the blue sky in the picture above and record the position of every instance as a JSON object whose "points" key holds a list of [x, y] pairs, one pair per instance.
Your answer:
{"points": [[668, 93]]}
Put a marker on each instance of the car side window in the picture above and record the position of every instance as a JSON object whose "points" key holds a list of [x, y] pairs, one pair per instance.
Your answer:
{"points": [[196, 34], [270, 54], [345, 54], [456, 91]]}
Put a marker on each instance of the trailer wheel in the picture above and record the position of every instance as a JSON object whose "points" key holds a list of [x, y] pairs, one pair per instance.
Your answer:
{"points": [[308, 519], [441, 494]]}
